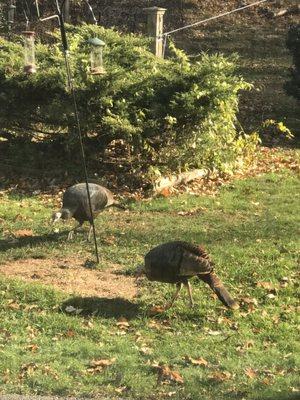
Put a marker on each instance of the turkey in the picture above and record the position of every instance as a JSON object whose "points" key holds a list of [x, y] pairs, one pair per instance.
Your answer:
{"points": [[176, 262], [76, 204]]}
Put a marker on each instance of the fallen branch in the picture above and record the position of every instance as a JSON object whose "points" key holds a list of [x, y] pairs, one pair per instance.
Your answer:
{"points": [[175, 180], [292, 10]]}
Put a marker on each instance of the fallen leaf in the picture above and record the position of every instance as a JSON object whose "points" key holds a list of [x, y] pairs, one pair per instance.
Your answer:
{"points": [[121, 389], [27, 369], [146, 350], [13, 306], [98, 365], [196, 361], [165, 192], [266, 285], [32, 347], [49, 371], [267, 381], [221, 376], [70, 333], [109, 240], [122, 323], [249, 300], [251, 373], [214, 333], [23, 233], [156, 310], [166, 374]]}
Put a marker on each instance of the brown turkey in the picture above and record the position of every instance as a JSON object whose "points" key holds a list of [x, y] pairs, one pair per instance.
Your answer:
{"points": [[76, 205], [176, 262]]}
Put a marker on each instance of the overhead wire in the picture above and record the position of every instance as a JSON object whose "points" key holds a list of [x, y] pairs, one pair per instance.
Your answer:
{"points": [[165, 35]]}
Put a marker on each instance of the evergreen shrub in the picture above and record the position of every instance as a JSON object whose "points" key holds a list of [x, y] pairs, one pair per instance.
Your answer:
{"points": [[173, 114]]}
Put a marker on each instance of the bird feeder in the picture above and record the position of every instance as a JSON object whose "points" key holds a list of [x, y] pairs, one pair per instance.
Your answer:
{"points": [[96, 56], [29, 52], [11, 13]]}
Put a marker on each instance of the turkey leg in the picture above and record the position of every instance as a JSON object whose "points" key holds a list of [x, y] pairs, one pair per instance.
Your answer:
{"points": [[72, 231], [189, 289], [178, 288]]}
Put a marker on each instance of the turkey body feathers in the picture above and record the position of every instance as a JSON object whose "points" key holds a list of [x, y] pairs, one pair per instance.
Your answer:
{"points": [[75, 200], [177, 261]]}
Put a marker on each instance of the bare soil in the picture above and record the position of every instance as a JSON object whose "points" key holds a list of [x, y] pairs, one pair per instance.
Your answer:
{"points": [[71, 276]]}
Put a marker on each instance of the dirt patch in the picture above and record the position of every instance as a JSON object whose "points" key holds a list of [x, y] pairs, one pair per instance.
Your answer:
{"points": [[70, 275]]}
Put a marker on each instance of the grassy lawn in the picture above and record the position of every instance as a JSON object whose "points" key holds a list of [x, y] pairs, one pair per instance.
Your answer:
{"points": [[113, 347]]}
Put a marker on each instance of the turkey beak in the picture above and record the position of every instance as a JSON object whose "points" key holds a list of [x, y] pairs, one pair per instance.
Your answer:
{"points": [[55, 217]]}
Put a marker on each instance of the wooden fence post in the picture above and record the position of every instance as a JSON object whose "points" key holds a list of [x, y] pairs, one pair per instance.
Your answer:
{"points": [[155, 20], [67, 11]]}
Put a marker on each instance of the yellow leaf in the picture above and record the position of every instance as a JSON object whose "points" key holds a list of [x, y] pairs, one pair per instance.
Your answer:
{"points": [[251, 373], [197, 361]]}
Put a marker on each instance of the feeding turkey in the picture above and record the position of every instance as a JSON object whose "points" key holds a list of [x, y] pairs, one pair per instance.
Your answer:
{"points": [[76, 204], [176, 262]]}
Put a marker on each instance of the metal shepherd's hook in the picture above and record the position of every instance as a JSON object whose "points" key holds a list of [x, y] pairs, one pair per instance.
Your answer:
{"points": [[65, 46]]}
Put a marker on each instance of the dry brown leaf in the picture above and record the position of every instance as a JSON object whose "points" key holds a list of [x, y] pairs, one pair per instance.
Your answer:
{"points": [[121, 389], [249, 300], [98, 365], [102, 362], [70, 333], [156, 310], [109, 240], [27, 369], [251, 373], [122, 323], [13, 306], [221, 376], [146, 350], [23, 233], [196, 361], [267, 381], [32, 347], [266, 285], [166, 192], [166, 374]]}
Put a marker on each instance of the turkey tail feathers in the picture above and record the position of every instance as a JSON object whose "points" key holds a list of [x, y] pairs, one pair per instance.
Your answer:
{"points": [[217, 286]]}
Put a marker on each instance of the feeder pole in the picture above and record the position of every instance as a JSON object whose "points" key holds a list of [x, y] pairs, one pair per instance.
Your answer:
{"points": [[65, 46]]}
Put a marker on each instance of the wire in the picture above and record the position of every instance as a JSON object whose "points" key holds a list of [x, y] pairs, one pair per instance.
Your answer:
{"points": [[92, 12], [212, 18]]}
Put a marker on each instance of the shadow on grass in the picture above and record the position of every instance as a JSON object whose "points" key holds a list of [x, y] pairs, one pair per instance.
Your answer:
{"points": [[103, 307], [7, 244]]}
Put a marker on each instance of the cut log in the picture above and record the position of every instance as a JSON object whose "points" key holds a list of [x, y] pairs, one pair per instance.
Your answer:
{"points": [[167, 182]]}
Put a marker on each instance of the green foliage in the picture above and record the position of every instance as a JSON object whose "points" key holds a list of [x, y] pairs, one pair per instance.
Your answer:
{"points": [[175, 113], [293, 44]]}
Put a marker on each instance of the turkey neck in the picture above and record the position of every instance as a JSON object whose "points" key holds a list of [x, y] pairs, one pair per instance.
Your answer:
{"points": [[217, 286]]}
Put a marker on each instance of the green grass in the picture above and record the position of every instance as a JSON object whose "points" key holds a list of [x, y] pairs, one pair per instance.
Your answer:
{"points": [[251, 229]]}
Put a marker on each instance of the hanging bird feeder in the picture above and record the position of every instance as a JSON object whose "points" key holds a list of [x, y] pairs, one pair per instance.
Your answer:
{"points": [[96, 56], [29, 52], [11, 14]]}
